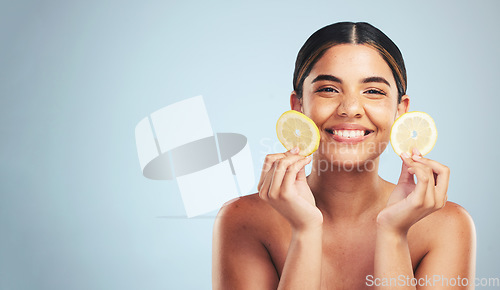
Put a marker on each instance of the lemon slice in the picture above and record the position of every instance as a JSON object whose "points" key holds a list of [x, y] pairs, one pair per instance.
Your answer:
{"points": [[413, 130], [296, 129]]}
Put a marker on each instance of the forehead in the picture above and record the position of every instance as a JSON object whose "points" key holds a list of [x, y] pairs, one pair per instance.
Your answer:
{"points": [[351, 61]]}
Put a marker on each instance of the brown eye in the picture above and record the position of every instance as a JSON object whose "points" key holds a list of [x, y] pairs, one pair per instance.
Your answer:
{"points": [[328, 90], [376, 92]]}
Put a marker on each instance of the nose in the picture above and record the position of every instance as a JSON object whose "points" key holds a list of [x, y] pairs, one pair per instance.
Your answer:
{"points": [[350, 106]]}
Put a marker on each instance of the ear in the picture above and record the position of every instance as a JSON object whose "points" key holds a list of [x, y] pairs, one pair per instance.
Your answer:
{"points": [[403, 106], [296, 103]]}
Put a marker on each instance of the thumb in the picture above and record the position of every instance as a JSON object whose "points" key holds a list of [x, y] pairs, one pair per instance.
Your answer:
{"points": [[405, 176], [295, 150]]}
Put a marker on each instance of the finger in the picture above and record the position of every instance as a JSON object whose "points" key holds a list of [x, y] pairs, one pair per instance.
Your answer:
{"points": [[264, 188], [280, 169], [416, 152], [433, 199], [302, 172], [421, 189], [405, 176], [295, 150], [269, 161], [266, 185], [293, 170], [445, 199], [276, 180], [441, 173], [268, 164]]}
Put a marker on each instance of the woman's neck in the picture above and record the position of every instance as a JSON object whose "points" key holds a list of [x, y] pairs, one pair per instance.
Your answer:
{"points": [[348, 192]]}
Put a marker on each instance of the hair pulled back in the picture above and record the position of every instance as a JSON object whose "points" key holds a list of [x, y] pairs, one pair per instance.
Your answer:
{"points": [[348, 33]]}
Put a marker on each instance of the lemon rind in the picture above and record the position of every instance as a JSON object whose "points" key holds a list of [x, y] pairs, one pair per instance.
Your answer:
{"points": [[306, 151], [433, 128]]}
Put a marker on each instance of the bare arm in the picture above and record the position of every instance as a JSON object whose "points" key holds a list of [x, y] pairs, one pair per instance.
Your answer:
{"points": [[452, 256], [392, 261], [303, 261], [449, 263], [452, 252], [241, 261]]}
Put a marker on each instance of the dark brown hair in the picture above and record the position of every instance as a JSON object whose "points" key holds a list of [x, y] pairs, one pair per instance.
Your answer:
{"points": [[348, 33]]}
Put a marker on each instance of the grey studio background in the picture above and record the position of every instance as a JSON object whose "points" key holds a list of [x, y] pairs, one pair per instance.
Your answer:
{"points": [[77, 76]]}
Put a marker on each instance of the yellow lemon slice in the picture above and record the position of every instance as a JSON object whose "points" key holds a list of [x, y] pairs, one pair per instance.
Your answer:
{"points": [[296, 129], [413, 130]]}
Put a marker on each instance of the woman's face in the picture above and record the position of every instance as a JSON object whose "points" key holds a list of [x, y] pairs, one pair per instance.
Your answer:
{"points": [[351, 95]]}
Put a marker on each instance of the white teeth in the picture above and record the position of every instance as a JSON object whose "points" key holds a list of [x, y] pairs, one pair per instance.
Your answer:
{"points": [[349, 133]]}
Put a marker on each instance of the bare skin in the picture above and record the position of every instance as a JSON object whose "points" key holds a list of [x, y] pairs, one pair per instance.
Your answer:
{"points": [[333, 228]]}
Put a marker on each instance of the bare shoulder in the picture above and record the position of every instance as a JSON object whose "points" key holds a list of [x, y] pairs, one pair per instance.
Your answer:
{"points": [[450, 223], [444, 242], [240, 259], [451, 217], [246, 215]]}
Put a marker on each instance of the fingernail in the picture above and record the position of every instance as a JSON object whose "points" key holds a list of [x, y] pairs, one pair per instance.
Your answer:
{"points": [[416, 157], [405, 155], [416, 152], [295, 150]]}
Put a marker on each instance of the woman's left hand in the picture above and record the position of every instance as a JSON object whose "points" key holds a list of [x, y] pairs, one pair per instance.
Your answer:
{"points": [[410, 201]]}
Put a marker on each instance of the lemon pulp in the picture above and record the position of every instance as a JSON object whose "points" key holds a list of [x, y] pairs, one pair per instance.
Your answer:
{"points": [[413, 130], [296, 129]]}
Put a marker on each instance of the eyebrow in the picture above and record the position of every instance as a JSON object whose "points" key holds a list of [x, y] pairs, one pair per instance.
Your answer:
{"points": [[376, 80], [326, 78], [337, 80]]}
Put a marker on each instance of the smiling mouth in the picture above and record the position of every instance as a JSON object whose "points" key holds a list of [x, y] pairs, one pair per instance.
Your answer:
{"points": [[349, 133]]}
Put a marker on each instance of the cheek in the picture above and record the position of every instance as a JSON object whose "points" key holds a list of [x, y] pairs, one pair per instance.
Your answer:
{"points": [[319, 110], [382, 115]]}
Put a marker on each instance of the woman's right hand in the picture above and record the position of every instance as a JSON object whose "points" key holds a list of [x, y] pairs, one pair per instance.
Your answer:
{"points": [[283, 185]]}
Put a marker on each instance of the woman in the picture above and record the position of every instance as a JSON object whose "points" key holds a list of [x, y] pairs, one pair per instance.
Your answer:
{"points": [[343, 226]]}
